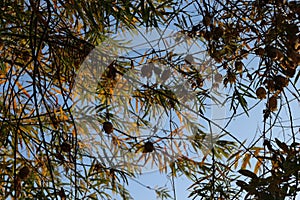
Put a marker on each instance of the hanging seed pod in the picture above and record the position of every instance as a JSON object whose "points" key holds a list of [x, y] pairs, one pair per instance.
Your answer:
{"points": [[24, 173], [62, 194], [271, 52], [231, 77], [266, 114], [218, 32], [189, 59], [111, 72], [65, 147], [147, 69], [280, 82], [200, 82], [272, 103], [59, 156], [225, 82], [270, 85], [148, 147], [157, 70], [194, 85], [207, 19], [259, 51], [239, 66], [279, 55], [98, 167], [215, 85], [166, 75], [261, 93], [218, 78], [289, 72], [274, 53], [108, 127], [244, 53]]}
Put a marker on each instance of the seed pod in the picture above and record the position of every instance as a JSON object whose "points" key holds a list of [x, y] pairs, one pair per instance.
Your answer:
{"points": [[272, 103], [189, 59], [280, 82], [62, 194], [59, 156], [207, 20], [271, 52], [24, 173], [157, 70], [270, 85], [65, 147], [112, 72], [225, 81], [244, 53], [274, 53], [200, 82], [215, 85], [166, 74], [231, 77], [194, 85], [148, 147], [147, 69], [261, 93], [239, 66], [108, 127], [98, 167], [260, 51], [218, 78], [289, 72], [218, 32]]}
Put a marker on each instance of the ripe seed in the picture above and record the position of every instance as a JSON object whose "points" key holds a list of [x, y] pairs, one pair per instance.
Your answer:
{"points": [[239, 66], [274, 53], [199, 82], [147, 69], [244, 53], [24, 172], [148, 147], [59, 156], [218, 32], [112, 72], [225, 81], [289, 72], [261, 93], [108, 127], [218, 78], [270, 85], [98, 167], [272, 104], [157, 70], [65, 147], [62, 194], [207, 20], [189, 59], [280, 82], [166, 74], [260, 51], [231, 77]]}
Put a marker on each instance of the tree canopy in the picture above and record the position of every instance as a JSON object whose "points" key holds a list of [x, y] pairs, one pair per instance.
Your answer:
{"points": [[94, 93]]}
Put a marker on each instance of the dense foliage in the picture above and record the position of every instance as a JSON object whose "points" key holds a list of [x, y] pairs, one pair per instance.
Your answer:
{"points": [[77, 123]]}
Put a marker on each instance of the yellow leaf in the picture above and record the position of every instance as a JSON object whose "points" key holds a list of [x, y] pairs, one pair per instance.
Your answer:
{"points": [[74, 132], [237, 157], [179, 116], [258, 164], [136, 105], [22, 89], [246, 160]]}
